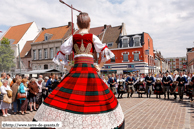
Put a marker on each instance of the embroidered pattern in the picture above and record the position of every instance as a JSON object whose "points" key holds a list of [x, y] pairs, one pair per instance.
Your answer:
{"points": [[82, 49], [108, 120]]}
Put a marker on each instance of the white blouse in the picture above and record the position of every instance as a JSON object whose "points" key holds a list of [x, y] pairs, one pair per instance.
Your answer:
{"points": [[3, 89], [67, 46]]}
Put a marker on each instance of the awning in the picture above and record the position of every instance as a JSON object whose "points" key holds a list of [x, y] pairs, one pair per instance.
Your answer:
{"points": [[43, 71]]}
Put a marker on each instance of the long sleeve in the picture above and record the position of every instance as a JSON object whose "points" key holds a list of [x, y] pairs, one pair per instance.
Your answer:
{"points": [[186, 80], [21, 88], [134, 79], [3, 91], [66, 48], [109, 81], [106, 54]]}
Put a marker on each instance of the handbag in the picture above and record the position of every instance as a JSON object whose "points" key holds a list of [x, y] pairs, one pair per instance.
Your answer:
{"points": [[121, 88], [6, 99], [9, 93], [21, 95]]}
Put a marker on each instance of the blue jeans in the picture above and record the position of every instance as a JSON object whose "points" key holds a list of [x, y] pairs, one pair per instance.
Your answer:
{"points": [[16, 105]]}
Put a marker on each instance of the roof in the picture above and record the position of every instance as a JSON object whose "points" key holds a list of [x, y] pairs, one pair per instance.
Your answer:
{"points": [[112, 34], [26, 49], [96, 30], [17, 32], [44, 71], [56, 32]]}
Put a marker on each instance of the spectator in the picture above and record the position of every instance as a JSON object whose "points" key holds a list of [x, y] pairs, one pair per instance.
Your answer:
{"points": [[50, 82], [40, 76], [39, 95], [27, 78], [14, 89], [9, 79], [5, 106], [33, 92], [3, 75], [24, 102], [44, 88]]}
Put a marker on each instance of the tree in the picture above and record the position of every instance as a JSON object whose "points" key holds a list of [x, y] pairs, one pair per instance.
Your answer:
{"points": [[6, 55]]}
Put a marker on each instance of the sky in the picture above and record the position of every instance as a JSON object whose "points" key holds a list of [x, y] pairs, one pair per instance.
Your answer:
{"points": [[170, 23]]}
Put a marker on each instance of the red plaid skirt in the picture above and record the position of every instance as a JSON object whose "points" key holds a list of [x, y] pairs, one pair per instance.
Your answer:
{"points": [[82, 91]]}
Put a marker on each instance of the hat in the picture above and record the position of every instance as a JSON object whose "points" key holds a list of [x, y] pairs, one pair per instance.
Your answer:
{"points": [[46, 78]]}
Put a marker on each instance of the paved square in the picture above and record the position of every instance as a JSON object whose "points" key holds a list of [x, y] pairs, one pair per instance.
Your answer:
{"points": [[145, 113]]}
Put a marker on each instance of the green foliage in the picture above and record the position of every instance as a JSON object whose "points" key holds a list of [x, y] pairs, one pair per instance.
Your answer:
{"points": [[6, 55]]}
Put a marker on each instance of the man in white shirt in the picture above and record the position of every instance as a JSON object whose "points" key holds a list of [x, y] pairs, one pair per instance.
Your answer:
{"points": [[9, 79]]}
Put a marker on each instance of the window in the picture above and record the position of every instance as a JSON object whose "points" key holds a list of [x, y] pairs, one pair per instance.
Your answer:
{"points": [[51, 66], [125, 42], [39, 54], [45, 66], [125, 57], [136, 56], [112, 59], [57, 49], [34, 54], [51, 53], [39, 66], [109, 44], [45, 54], [29, 64], [57, 67], [136, 41], [45, 38], [148, 43]]}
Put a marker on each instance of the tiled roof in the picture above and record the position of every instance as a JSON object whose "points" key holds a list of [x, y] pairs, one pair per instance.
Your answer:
{"points": [[57, 33], [112, 34], [26, 49], [17, 32], [96, 30]]}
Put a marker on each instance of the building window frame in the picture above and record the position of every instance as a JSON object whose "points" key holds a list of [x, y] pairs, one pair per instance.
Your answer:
{"points": [[39, 54], [51, 53], [45, 53], [112, 60], [139, 39], [134, 52], [125, 38], [34, 54], [57, 49], [110, 43]]}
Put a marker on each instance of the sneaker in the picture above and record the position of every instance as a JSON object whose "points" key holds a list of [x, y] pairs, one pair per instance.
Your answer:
{"points": [[5, 115], [8, 114]]}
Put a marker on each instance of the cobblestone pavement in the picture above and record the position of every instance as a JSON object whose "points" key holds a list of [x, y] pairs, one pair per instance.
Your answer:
{"points": [[144, 113]]}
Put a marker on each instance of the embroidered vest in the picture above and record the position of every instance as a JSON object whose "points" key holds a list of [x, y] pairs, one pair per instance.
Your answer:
{"points": [[83, 44]]}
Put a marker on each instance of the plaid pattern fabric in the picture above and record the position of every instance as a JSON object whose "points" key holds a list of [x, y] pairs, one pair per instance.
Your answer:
{"points": [[82, 91]]}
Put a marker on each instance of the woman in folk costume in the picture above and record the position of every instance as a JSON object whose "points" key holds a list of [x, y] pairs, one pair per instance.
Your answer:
{"points": [[121, 88], [140, 86], [82, 100], [158, 86]]}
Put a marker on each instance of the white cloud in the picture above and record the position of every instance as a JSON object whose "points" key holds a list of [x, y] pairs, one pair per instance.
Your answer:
{"points": [[169, 22]]}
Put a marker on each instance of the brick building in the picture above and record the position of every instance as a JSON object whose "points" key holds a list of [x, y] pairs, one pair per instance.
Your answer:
{"points": [[190, 59], [130, 54], [177, 63]]}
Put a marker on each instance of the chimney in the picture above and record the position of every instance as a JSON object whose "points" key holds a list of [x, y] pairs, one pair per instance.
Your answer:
{"points": [[43, 28], [69, 23], [105, 26]]}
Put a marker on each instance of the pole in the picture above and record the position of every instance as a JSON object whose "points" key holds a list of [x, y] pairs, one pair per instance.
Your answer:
{"points": [[19, 57]]}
